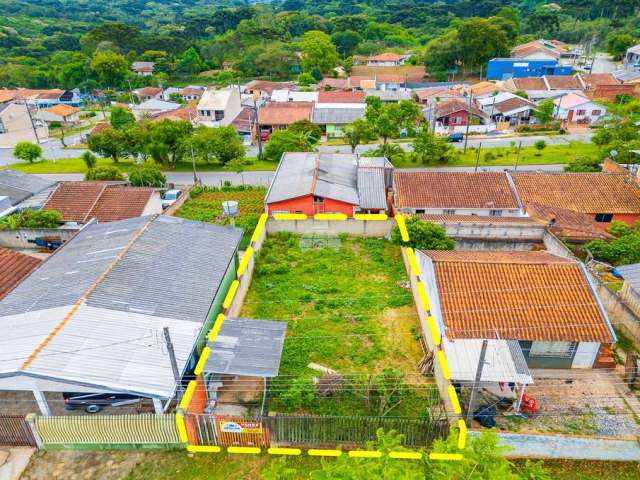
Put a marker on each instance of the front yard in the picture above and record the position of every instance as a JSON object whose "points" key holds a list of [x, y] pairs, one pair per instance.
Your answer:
{"points": [[349, 311]]}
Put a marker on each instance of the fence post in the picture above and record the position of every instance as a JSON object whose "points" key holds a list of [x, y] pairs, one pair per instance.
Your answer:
{"points": [[31, 421]]}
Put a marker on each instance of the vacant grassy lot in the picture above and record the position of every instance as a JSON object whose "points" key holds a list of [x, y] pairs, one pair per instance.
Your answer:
{"points": [[348, 309], [172, 465], [205, 205]]}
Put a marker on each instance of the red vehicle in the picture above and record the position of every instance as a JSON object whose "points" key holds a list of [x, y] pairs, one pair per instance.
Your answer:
{"points": [[264, 135]]}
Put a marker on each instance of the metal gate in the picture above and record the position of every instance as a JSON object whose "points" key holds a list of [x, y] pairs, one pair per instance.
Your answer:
{"points": [[15, 431], [226, 431]]}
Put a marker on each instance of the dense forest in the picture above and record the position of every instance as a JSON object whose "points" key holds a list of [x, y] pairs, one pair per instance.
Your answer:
{"points": [[91, 43]]}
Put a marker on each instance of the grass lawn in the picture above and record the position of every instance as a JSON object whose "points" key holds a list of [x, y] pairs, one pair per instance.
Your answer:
{"points": [[171, 465], [205, 205], [346, 310], [76, 165]]}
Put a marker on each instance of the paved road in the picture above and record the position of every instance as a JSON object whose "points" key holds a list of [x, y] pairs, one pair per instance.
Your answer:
{"points": [[264, 177], [604, 64]]}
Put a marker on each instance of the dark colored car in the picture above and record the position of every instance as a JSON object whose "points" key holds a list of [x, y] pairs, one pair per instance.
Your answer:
{"points": [[455, 137], [264, 135], [94, 402]]}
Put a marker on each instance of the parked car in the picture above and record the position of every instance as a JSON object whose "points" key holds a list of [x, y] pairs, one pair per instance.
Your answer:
{"points": [[455, 137], [170, 197], [94, 402], [264, 135]]}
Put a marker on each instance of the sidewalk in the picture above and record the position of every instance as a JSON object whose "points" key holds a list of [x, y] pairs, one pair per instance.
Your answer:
{"points": [[575, 448], [13, 461]]}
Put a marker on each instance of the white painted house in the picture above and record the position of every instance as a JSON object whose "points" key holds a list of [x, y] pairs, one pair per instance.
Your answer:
{"points": [[576, 108]]}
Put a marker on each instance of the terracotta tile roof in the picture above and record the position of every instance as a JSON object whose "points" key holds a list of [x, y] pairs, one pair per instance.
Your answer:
{"points": [[269, 87], [567, 224], [149, 91], [453, 190], [189, 113], [592, 80], [355, 81], [477, 219], [611, 92], [424, 94], [563, 82], [516, 295], [62, 110], [535, 46], [244, 120], [412, 73], [513, 104], [192, 91], [529, 83], [385, 57], [7, 95], [105, 201], [482, 88], [452, 105], [580, 192], [281, 113], [14, 267], [341, 97], [100, 127], [53, 94], [337, 83]]}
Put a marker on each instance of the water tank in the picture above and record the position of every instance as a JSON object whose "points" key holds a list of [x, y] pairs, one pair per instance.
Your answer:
{"points": [[230, 208]]}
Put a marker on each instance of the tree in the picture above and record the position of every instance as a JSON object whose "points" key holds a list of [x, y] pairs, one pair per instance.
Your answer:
{"points": [[359, 131], [583, 164], [318, 51], [540, 145], [190, 62], [386, 126], [105, 173], [121, 118], [618, 43], [423, 235], [89, 159], [282, 141], [346, 41], [407, 113], [544, 112], [147, 175], [305, 127], [167, 138], [29, 218], [110, 67], [480, 41], [221, 145], [108, 143], [27, 151], [305, 79], [544, 21], [429, 148]]}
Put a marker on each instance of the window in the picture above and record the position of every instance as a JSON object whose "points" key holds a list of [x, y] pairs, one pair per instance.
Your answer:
{"points": [[553, 349], [219, 115], [419, 211], [604, 217], [2, 129], [581, 112], [448, 211], [455, 120], [318, 199], [495, 213], [596, 113]]}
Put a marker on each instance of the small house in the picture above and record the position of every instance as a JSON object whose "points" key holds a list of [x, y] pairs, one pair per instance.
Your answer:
{"points": [[333, 117], [632, 58], [278, 115], [16, 125], [386, 60], [143, 69], [219, 107], [575, 108], [61, 113], [149, 93]]}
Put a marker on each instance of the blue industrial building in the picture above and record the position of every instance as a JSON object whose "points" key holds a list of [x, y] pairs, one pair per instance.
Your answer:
{"points": [[504, 68]]}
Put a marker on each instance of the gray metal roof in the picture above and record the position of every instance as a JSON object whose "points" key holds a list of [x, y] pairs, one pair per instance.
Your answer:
{"points": [[371, 188], [391, 95], [329, 175], [337, 116], [168, 274], [20, 186], [247, 347], [631, 275]]}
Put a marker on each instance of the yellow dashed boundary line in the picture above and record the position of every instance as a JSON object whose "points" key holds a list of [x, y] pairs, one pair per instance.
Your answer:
{"points": [[315, 452]]}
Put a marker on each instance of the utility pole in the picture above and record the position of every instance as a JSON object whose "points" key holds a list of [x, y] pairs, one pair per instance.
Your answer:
{"points": [[478, 156], [466, 135], [518, 156], [174, 363], [35, 130], [476, 383], [257, 127], [193, 160]]}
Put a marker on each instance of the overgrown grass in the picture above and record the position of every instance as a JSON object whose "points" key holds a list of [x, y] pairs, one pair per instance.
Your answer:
{"points": [[346, 310], [76, 165], [205, 205]]}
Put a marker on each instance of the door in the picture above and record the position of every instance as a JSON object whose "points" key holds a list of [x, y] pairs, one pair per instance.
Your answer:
{"points": [[570, 116], [586, 354]]}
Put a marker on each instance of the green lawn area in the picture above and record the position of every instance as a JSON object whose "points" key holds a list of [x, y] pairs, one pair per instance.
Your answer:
{"points": [[205, 205], [347, 311], [76, 165]]}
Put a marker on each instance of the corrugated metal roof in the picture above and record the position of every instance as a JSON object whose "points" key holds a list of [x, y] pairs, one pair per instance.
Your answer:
{"points": [[337, 115], [631, 275], [247, 347], [168, 277], [371, 188], [19, 186]]}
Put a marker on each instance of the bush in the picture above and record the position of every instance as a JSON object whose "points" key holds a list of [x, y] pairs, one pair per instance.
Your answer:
{"points": [[90, 160], [147, 175], [489, 156], [540, 145], [423, 235], [31, 219], [107, 173], [583, 164]]}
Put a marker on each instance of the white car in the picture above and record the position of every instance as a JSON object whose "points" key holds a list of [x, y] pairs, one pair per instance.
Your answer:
{"points": [[170, 197]]}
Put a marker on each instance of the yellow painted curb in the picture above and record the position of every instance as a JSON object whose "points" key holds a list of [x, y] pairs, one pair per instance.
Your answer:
{"points": [[424, 298], [244, 263], [230, 294], [413, 263], [462, 439], [445, 456], [259, 227], [289, 216], [284, 451], [444, 365], [454, 400], [435, 331], [316, 452], [182, 428], [206, 351], [402, 226], [365, 454], [186, 398], [370, 216], [406, 455], [203, 449], [330, 216], [216, 327], [243, 449]]}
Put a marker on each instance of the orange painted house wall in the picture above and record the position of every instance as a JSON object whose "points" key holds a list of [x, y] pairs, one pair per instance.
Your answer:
{"points": [[305, 205], [628, 218]]}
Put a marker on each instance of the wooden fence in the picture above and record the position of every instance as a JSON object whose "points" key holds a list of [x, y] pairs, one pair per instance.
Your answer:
{"points": [[309, 430], [108, 431], [15, 431]]}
